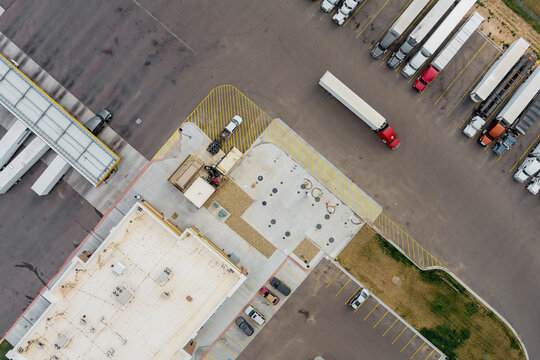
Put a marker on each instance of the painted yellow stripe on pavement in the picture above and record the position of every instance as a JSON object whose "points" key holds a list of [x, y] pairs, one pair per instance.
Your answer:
{"points": [[432, 351], [236, 341], [343, 287], [359, 306], [388, 27], [333, 279], [408, 343], [226, 348], [293, 274], [372, 311], [350, 17], [391, 326], [374, 326], [399, 334], [373, 18], [417, 350]]}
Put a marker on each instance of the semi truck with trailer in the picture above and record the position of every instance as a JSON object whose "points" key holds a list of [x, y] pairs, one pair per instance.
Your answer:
{"points": [[448, 52], [437, 38], [398, 27], [360, 108], [420, 32], [529, 116], [498, 71]]}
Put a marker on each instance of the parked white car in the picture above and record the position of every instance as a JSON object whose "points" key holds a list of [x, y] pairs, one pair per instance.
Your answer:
{"points": [[474, 126], [359, 298], [328, 5], [528, 168], [345, 11], [254, 315], [534, 185]]}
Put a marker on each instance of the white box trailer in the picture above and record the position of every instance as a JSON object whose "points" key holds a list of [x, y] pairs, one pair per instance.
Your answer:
{"points": [[398, 27], [50, 177], [420, 31], [497, 72], [522, 97], [22, 163], [457, 41], [437, 38], [12, 140]]}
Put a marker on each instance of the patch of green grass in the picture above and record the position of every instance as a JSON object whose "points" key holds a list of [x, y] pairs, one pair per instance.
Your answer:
{"points": [[446, 338], [445, 304], [515, 8], [4, 348], [471, 308], [392, 251]]}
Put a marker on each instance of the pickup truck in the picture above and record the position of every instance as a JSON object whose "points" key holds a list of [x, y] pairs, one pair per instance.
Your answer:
{"points": [[231, 127]]}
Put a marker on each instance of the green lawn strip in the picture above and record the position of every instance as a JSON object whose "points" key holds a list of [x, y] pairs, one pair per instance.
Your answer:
{"points": [[431, 301], [4, 348], [515, 8]]}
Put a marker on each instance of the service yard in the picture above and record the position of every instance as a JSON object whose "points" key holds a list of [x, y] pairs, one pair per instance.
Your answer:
{"points": [[156, 60]]}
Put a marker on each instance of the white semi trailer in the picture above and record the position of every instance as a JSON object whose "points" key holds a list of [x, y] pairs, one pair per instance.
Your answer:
{"points": [[398, 27], [437, 38], [521, 98], [11, 141], [51, 176], [498, 71], [420, 32]]}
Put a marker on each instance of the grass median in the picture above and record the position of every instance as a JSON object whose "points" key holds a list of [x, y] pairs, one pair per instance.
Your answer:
{"points": [[4, 348], [431, 301]]}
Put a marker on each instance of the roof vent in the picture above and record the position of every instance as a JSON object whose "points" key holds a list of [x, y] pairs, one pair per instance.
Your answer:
{"points": [[110, 352], [164, 276], [61, 342], [165, 295], [119, 268], [122, 294]]}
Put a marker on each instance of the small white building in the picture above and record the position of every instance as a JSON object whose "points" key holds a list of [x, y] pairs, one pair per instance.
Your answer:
{"points": [[144, 294]]}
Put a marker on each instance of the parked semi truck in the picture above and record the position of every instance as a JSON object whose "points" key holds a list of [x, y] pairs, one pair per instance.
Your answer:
{"points": [[398, 27], [521, 98], [529, 116], [12, 140], [448, 52], [360, 108], [498, 71], [420, 32], [529, 167], [437, 38]]}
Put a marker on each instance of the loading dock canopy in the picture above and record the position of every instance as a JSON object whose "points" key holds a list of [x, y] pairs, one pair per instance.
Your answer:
{"points": [[58, 129]]}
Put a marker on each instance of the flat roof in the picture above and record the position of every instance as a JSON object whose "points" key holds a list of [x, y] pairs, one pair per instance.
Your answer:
{"points": [[143, 294], [54, 125]]}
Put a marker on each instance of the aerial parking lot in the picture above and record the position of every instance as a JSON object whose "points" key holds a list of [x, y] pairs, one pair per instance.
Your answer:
{"points": [[153, 62]]}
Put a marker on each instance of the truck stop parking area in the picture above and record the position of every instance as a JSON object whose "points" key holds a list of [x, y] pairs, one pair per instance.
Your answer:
{"points": [[458, 201], [317, 321]]}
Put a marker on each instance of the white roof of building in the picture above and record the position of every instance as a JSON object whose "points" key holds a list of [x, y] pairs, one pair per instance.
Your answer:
{"points": [[58, 129], [143, 294]]}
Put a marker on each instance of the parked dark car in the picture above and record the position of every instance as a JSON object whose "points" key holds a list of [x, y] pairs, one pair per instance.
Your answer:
{"points": [[280, 286], [244, 326]]}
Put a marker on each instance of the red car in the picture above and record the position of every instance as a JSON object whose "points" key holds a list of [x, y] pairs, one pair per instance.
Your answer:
{"points": [[270, 296], [425, 79]]}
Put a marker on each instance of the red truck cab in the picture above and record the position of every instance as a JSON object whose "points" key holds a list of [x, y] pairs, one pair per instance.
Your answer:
{"points": [[388, 136], [494, 130], [425, 79]]}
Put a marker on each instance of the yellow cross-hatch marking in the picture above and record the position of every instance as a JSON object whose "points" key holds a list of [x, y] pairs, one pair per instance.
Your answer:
{"points": [[391, 326], [225, 101], [371, 311]]}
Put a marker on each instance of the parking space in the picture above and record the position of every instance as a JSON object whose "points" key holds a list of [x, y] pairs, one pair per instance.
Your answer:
{"points": [[318, 320]]}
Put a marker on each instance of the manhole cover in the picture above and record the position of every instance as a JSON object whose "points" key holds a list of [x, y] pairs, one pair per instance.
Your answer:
{"points": [[331, 240], [327, 216], [317, 199], [274, 190], [303, 186], [273, 221], [260, 178], [287, 233], [264, 203], [319, 226]]}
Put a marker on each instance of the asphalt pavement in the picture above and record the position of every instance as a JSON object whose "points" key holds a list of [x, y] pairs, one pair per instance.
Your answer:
{"points": [[156, 60]]}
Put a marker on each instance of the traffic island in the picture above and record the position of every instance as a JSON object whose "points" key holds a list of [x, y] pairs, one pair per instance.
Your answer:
{"points": [[432, 301]]}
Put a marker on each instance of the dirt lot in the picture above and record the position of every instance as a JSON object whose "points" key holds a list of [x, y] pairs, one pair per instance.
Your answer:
{"points": [[431, 301]]}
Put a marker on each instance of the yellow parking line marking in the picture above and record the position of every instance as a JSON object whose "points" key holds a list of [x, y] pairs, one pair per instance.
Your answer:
{"points": [[399, 334], [474, 83], [236, 341], [286, 268], [350, 17], [391, 326], [333, 11], [421, 346], [393, 20], [207, 355], [371, 311], [373, 18], [429, 354], [467, 118], [327, 266], [362, 303], [461, 72], [226, 348], [350, 297], [333, 279], [408, 343], [343, 287], [387, 311], [526, 151]]}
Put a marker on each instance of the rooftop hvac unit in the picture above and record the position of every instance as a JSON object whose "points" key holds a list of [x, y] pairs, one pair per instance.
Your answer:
{"points": [[122, 294]]}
